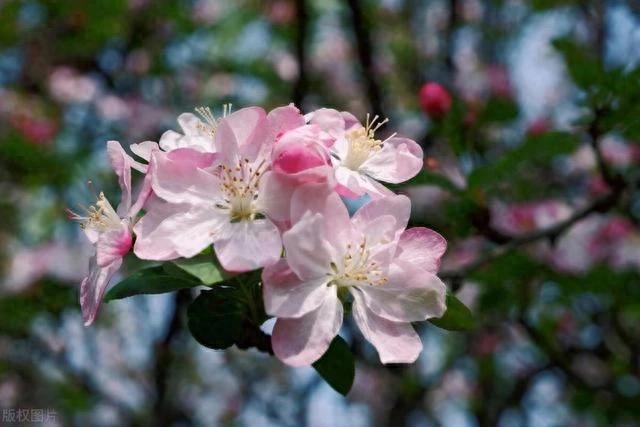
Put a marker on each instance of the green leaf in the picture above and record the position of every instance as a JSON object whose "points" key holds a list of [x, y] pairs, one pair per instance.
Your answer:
{"points": [[204, 267], [154, 280], [499, 110], [215, 318], [228, 313], [457, 317], [337, 366], [583, 65], [519, 168]]}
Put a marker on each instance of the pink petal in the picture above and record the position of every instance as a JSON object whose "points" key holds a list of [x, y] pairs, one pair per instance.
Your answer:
{"points": [[318, 198], [143, 195], [143, 150], [121, 164], [422, 247], [307, 249], [190, 123], [283, 119], [301, 155], [274, 196], [396, 206], [113, 245], [360, 184], [399, 160], [193, 137], [169, 231], [395, 342], [350, 121], [285, 295], [329, 120], [93, 287], [242, 134], [302, 341], [411, 295], [248, 245], [177, 177]]}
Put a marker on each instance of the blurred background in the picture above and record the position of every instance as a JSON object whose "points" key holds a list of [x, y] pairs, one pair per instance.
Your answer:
{"points": [[530, 121]]}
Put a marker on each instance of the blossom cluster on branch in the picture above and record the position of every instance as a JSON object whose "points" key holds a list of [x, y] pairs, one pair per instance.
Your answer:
{"points": [[268, 191]]}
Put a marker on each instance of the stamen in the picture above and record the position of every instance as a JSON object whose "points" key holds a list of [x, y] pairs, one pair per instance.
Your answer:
{"points": [[210, 125], [100, 216], [357, 269], [362, 142], [240, 185]]}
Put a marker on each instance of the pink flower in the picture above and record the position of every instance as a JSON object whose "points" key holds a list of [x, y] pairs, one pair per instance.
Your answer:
{"points": [[198, 134], [360, 160], [221, 198], [110, 231], [519, 218], [388, 271]]}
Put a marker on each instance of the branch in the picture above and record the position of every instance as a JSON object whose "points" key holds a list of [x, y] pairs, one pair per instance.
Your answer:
{"points": [[300, 87], [162, 411], [599, 205], [363, 42], [451, 27], [612, 179]]}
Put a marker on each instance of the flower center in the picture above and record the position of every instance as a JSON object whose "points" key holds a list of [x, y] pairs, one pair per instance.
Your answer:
{"points": [[362, 143], [357, 268], [101, 216], [240, 186], [211, 123]]}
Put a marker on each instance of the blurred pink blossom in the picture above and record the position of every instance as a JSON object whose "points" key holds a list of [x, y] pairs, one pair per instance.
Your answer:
{"points": [[66, 85]]}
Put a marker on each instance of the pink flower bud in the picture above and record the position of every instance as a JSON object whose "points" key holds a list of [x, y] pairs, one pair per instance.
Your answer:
{"points": [[435, 100], [301, 154]]}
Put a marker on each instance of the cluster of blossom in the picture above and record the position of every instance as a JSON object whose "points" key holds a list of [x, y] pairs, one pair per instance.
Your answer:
{"points": [[267, 191], [598, 239]]}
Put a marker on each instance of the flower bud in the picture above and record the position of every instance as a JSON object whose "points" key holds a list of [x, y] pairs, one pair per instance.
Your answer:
{"points": [[435, 100], [301, 154]]}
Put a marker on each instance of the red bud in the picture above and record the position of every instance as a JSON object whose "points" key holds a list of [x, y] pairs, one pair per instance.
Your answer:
{"points": [[435, 100]]}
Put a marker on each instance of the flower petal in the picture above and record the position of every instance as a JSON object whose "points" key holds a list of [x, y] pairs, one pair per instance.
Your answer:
{"points": [[242, 133], [248, 245], [308, 251], [144, 150], [422, 247], [399, 160], [302, 155], [274, 196], [194, 137], [396, 206], [360, 184], [395, 342], [143, 195], [177, 177], [93, 287], [302, 341], [121, 164], [113, 245], [410, 295], [329, 120], [283, 119], [169, 231], [285, 295]]}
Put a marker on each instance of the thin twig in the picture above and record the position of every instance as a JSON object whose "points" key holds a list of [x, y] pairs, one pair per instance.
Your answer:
{"points": [[600, 204]]}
